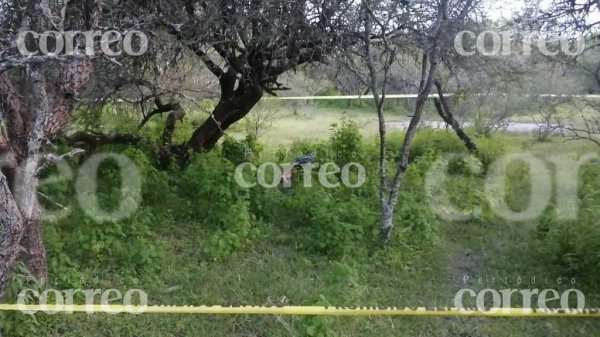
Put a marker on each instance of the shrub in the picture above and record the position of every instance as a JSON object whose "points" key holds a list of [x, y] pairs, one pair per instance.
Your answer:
{"points": [[417, 225], [18, 324], [345, 142], [573, 247], [328, 226], [239, 152], [126, 245], [79, 241], [222, 205], [491, 148], [237, 234], [436, 140], [209, 188]]}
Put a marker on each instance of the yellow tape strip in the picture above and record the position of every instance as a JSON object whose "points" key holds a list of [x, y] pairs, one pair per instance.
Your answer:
{"points": [[305, 310]]}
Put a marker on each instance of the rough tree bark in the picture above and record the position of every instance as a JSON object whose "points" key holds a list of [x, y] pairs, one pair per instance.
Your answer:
{"points": [[35, 105], [226, 113], [24, 193], [12, 232]]}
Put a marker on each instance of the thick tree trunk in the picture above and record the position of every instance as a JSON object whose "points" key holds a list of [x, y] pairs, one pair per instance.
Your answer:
{"points": [[29, 123], [35, 106], [34, 244], [11, 232], [26, 187], [232, 107]]}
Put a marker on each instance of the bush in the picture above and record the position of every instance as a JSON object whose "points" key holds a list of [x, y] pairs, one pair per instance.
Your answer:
{"points": [[417, 225], [210, 190], [491, 148], [440, 142], [239, 152], [78, 241], [18, 324], [328, 226], [237, 234], [222, 205], [346, 142], [126, 246], [573, 247]]}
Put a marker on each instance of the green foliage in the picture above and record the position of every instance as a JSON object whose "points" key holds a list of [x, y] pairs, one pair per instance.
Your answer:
{"points": [[15, 323], [317, 326], [214, 199], [573, 247], [417, 225], [345, 142], [491, 148], [329, 225], [239, 152], [439, 141], [158, 185], [238, 232], [291, 243], [79, 241], [209, 189]]}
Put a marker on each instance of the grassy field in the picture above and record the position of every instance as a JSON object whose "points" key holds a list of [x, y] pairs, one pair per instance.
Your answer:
{"points": [[271, 271]]}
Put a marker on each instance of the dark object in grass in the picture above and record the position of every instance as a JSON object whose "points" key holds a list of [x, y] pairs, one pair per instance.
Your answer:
{"points": [[298, 163], [303, 160]]}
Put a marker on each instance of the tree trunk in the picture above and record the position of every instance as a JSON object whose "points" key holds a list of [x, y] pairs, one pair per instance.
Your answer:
{"points": [[11, 232], [34, 106], [387, 224], [28, 128], [443, 109], [232, 107], [425, 86], [34, 244]]}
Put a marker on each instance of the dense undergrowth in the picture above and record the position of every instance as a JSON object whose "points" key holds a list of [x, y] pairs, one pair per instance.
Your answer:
{"points": [[199, 238]]}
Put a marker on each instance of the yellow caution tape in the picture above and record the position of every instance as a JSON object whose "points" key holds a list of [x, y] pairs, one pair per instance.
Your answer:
{"points": [[303, 310]]}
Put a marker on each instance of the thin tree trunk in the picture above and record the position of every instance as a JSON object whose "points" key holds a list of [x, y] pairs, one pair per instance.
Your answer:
{"points": [[425, 87], [443, 109]]}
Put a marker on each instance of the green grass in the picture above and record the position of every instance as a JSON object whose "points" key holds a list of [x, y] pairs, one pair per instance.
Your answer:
{"points": [[273, 272]]}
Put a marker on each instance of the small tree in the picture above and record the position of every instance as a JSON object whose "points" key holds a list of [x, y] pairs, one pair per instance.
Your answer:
{"points": [[388, 28]]}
